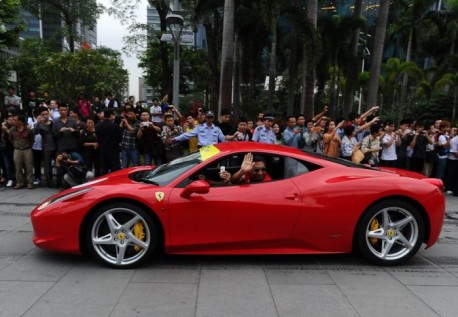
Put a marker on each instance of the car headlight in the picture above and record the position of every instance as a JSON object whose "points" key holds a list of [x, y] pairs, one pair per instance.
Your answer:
{"points": [[61, 198]]}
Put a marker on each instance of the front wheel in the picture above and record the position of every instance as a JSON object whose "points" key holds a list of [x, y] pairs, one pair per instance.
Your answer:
{"points": [[121, 235], [390, 232]]}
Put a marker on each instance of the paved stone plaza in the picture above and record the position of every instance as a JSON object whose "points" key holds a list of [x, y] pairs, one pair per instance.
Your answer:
{"points": [[34, 282]]}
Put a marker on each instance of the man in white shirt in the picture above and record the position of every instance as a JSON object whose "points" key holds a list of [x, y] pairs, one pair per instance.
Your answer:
{"points": [[156, 112], [451, 176], [390, 141], [54, 110], [11, 101]]}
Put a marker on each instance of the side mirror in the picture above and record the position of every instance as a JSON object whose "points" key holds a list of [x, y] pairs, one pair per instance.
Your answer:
{"points": [[198, 187]]}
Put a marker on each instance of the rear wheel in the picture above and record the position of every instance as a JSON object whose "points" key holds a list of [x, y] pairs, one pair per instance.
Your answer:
{"points": [[121, 235], [390, 232]]}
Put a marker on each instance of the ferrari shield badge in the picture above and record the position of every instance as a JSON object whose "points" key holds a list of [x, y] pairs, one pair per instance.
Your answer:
{"points": [[159, 195]]}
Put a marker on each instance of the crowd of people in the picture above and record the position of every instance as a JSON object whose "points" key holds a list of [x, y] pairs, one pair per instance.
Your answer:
{"points": [[92, 138]]}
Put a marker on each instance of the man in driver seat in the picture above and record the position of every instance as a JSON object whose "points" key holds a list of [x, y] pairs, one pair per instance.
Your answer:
{"points": [[253, 170]]}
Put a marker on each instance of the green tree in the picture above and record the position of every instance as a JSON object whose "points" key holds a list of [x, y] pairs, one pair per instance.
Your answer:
{"points": [[33, 52], [447, 82], [10, 26], [91, 72], [70, 12]]}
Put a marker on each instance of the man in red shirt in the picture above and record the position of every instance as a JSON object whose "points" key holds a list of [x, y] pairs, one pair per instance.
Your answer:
{"points": [[253, 170]]}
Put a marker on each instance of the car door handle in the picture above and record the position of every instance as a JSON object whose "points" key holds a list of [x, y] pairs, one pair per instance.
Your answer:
{"points": [[294, 196]]}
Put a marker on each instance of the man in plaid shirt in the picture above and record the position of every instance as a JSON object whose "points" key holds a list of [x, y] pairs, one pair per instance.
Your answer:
{"points": [[129, 128], [169, 132]]}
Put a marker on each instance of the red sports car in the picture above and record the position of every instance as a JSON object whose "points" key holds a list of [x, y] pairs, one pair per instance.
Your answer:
{"points": [[306, 204]]}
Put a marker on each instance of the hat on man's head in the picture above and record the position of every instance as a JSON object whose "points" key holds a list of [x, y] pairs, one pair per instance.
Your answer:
{"points": [[269, 117], [209, 113]]}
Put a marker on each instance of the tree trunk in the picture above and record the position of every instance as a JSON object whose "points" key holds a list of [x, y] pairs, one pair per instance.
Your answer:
{"points": [[236, 94], [405, 78], [272, 65], [354, 66], [377, 53], [227, 57], [211, 30], [166, 71], [292, 75], [308, 70]]}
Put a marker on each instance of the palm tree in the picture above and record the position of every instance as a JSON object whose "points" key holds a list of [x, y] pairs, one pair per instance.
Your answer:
{"points": [[209, 14], [377, 52], [227, 56], [450, 81], [394, 72], [308, 62], [411, 13], [354, 61]]}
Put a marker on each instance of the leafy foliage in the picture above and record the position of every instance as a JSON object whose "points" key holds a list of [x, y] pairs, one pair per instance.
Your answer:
{"points": [[66, 75], [70, 12]]}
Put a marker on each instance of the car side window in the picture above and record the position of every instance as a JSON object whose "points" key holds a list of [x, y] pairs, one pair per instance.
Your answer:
{"points": [[295, 167]]}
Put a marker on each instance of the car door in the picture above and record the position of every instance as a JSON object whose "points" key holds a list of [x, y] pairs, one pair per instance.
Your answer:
{"points": [[234, 218]]}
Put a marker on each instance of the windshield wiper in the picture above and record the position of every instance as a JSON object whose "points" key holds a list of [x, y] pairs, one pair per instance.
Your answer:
{"points": [[148, 181]]}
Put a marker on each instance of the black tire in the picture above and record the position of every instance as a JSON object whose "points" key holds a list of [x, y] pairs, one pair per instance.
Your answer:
{"points": [[390, 232], [122, 244]]}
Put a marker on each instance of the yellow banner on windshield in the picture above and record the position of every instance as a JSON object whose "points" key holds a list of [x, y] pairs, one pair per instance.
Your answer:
{"points": [[208, 151]]}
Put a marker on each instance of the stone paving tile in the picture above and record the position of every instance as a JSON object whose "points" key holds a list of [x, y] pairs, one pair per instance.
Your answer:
{"points": [[297, 277], [16, 242], [441, 299], [379, 294], [157, 299], [242, 292], [17, 297], [11, 222], [311, 300], [35, 268], [6, 260], [155, 275], [83, 291]]}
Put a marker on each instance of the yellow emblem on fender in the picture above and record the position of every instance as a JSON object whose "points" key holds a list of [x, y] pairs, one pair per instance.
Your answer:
{"points": [[159, 195]]}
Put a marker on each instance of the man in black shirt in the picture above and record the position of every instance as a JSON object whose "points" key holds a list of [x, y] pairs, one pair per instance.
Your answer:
{"points": [[108, 138]]}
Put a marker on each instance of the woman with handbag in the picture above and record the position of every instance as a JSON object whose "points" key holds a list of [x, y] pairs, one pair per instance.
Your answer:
{"points": [[371, 146], [349, 146]]}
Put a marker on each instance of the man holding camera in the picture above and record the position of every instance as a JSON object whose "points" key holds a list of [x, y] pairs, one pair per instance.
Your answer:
{"points": [[129, 127], [44, 127], [73, 168], [418, 141]]}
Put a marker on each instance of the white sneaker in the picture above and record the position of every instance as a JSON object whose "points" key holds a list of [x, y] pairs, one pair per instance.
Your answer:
{"points": [[9, 184], [36, 181], [449, 192]]}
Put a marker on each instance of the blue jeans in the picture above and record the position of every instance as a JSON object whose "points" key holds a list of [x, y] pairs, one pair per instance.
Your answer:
{"points": [[128, 156]]}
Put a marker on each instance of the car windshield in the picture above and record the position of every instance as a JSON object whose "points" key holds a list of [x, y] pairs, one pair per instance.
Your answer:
{"points": [[166, 173]]}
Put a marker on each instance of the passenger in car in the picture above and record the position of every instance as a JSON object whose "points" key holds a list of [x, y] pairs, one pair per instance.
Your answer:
{"points": [[252, 170]]}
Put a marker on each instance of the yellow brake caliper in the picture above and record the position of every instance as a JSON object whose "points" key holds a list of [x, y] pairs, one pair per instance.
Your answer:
{"points": [[374, 226], [139, 231]]}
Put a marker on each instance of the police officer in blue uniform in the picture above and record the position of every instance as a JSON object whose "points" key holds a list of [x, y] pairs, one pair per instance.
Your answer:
{"points": [[207, 133], [265, 133]]}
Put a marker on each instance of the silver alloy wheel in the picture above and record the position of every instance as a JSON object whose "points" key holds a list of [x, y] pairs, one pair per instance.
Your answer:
{"points": [[396, 234], [114, 240]]}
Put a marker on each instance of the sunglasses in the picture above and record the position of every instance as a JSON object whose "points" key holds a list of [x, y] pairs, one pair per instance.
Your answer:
{"points": [[262, 169]]}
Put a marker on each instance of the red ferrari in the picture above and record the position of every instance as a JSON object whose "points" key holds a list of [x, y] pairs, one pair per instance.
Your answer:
{"points": [[306, 204]]}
